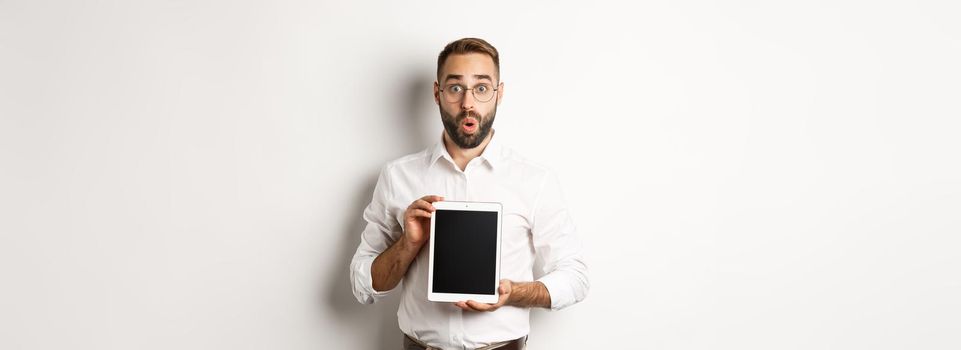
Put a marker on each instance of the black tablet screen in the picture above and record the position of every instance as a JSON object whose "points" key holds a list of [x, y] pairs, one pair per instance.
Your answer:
{"points": [[465, 252]]}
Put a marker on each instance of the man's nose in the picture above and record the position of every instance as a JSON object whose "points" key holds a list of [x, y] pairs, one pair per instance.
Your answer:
{"points": [[467, 103]]}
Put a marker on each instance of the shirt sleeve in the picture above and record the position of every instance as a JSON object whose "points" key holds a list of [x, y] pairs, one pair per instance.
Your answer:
{"points": [[379, 234], [557, 246]]}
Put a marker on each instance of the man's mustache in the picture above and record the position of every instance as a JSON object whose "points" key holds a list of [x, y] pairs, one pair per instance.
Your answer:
{"points": [[462, 115]]}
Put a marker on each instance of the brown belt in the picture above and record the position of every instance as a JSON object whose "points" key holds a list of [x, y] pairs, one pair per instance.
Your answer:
{"points": [[517, 344]]}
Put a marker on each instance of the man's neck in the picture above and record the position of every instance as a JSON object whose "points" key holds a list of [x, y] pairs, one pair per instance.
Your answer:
{"points": [[463, 156]]}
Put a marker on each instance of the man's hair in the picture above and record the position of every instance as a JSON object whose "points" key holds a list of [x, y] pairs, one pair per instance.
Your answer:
{"points": [[469, 45]]}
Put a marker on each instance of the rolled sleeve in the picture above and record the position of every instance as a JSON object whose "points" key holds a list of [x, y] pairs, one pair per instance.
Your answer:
{"points": [[556, 244], [363, 282], [379, 234]]}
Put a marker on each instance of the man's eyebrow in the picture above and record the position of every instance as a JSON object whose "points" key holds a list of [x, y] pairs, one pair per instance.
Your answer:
{"points": [[459, 77]]}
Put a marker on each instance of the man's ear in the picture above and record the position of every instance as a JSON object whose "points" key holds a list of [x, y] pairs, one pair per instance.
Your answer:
{"points": [[500, 92], [437, 93]]}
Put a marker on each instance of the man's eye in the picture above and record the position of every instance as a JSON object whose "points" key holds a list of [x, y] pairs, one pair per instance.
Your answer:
{"points": [[482, 88], [455, 88]]}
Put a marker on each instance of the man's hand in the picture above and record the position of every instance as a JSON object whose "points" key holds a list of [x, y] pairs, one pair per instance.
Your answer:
{"points": [[505, 294], [417, 220], [519, 294]]}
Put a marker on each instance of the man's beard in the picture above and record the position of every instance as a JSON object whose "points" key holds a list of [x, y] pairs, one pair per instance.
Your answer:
{"points": [[465, 141]]}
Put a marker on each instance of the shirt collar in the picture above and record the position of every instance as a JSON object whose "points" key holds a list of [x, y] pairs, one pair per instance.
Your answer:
{"points": [[492, 153]]}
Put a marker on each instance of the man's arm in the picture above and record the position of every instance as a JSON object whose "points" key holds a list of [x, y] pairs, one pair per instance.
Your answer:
{"points": [[390, 266], [519, 294], [529, 294], [386, 250], [378, 236], [557, 245]]}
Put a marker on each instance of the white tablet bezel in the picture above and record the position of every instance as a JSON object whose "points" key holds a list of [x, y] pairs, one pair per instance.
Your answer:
{"points": [[467, 206]]}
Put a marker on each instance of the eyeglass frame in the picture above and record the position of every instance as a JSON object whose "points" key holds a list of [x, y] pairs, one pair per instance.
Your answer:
{"points": [[471, 92]]}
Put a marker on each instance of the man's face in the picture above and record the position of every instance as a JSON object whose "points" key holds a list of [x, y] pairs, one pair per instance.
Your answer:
{"points": [[468, 119]]}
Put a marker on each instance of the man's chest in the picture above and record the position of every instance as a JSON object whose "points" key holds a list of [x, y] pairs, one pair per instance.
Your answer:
{"points": [[517, 195]]}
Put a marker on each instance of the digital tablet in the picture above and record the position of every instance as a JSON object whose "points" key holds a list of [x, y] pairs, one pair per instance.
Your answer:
{"points": [[465, 251]]}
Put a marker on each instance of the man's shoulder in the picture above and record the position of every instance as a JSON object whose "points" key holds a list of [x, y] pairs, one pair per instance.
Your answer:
{"points": [[412, 161], [521, 165]]}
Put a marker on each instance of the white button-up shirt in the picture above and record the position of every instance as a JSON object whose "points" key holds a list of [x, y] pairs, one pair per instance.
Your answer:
{"points": [[538, 241]]}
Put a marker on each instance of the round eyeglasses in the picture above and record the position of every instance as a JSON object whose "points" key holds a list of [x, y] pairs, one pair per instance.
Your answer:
{"points": [[456, 92]]}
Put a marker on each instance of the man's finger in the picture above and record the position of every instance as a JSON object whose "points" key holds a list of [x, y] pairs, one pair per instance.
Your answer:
{"points": [[466, 306], [420, 212], [421, 204], [432, 198], [480, 306]]}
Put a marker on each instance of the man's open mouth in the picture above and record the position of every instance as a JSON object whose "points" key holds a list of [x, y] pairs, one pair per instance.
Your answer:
{"points": [[469, 125]]}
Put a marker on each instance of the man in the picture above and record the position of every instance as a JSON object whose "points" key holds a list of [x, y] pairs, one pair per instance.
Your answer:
{"points": [[468, 163]]}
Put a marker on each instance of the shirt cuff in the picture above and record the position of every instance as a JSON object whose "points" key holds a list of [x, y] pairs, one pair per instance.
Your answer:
{"points": [[560, 289], [368, 284]]}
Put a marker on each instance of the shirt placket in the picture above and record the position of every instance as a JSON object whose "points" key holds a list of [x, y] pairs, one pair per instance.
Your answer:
{"points": [[462, 188]]}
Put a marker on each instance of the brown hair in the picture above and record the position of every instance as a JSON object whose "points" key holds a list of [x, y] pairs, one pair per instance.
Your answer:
{"points": [[469, 45]]}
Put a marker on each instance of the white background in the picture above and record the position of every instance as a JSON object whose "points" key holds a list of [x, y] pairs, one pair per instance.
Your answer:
{"points": [[744, 174]]}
